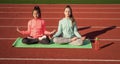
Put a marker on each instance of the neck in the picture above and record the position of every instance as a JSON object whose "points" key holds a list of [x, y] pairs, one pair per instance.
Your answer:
{"points": [[36, 18], [67, 17]]}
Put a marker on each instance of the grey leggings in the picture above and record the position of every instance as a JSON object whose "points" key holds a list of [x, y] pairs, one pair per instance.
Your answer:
{"points": [[61, 40]]}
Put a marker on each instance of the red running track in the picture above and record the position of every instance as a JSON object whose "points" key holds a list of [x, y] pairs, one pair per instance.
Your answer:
{"points": [[93, 20]]}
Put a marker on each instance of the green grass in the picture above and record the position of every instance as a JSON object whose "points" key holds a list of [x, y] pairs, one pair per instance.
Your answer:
{"points": [[59, 1]]}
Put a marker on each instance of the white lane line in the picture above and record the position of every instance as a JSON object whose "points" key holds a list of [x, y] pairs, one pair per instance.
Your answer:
{"points": [[62, 12], [89, 39], [27, 18], [75, 18], [57, 26], [8, 38], [63, 7], [59, 4], [15, 26], [107, 39], [60, 59]]}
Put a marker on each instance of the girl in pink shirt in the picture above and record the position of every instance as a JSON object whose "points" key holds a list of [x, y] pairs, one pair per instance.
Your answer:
{"points": [[36, 29]]}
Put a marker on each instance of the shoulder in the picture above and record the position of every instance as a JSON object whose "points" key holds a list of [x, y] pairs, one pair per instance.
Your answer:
{"points": [[61, 20], [41, 20], [30, 21]]}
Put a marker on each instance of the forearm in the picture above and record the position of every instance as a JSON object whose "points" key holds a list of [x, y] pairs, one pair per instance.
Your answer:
{"points": [[24, 32], [57, 34], [47, 33], [77, 35]]}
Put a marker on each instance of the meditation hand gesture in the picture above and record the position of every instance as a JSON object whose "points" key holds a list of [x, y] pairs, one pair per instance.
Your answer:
{"points": [[18, 29]]}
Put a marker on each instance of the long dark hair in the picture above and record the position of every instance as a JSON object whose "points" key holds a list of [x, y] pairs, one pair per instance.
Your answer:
{"points": [[71, 14], [37, 8]]}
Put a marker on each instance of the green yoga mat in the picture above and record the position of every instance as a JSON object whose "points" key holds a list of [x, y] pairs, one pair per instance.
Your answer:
{"points": [[18, 43]]}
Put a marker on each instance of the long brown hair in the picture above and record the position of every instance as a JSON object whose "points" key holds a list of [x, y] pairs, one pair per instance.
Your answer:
{"points": [[71, 14]]}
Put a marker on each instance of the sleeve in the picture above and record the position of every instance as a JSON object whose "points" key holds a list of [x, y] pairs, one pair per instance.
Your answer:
{"points": [[27, 32], [76, 31], [59, 32]]}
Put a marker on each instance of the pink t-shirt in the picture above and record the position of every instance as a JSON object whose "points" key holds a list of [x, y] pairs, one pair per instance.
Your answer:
{"points": [[36, 28]]}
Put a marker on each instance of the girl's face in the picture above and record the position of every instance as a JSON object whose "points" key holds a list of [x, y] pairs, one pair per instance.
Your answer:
{"points": [[67, 12], [35, 14]]}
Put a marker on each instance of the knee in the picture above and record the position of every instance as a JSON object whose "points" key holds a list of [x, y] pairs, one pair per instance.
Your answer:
{"points": [[80, 42], [55, 40], [25, 40], [45, 41]]}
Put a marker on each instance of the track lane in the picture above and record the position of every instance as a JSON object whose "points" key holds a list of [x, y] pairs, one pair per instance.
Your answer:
{"points": [[109, 33]]}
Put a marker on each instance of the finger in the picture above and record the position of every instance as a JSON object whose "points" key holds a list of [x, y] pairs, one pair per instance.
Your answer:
{"points": [[18, 29]]}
